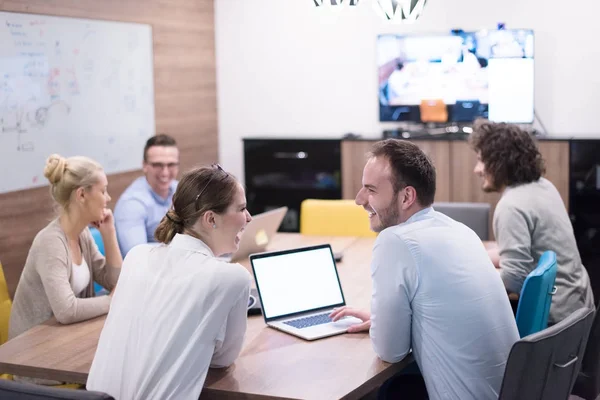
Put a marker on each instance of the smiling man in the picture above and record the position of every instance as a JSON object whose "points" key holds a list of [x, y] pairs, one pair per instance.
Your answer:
{"points": [[435, 289], [146, 201]]}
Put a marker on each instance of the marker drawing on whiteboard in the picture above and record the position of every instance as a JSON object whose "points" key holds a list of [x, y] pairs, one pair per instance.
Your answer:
{"points": [[27, 118], [73, 85], [72, 82]]}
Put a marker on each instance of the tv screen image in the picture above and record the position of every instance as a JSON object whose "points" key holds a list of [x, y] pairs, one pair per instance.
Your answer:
{"points": [[457, 77]]}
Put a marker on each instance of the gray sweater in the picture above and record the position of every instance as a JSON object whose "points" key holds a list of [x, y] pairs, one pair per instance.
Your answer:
{"points": [[530, 219], [44, 288]]}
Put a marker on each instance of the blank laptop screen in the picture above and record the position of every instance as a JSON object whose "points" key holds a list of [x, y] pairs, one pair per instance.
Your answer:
{"points": [[296, 282]]}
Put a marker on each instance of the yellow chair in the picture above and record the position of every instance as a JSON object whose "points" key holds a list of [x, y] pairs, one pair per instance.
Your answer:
{"points": [[335, 218], [5, 306]]}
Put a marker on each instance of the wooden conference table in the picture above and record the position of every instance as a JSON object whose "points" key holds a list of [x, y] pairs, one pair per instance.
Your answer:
{"points": [[272, 364]]}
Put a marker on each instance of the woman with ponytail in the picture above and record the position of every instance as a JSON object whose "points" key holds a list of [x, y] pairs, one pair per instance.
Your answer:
{"points": [[64, 261], [178, 309]]}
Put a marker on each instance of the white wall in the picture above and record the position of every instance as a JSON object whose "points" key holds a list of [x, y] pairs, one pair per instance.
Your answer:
{"points": [[288, 69]]}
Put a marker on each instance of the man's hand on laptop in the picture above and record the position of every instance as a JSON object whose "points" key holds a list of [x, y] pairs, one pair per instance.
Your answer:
{"points": [[365, 316]]}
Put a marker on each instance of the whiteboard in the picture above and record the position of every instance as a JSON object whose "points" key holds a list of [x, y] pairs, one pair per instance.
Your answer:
{"points": [[73, 87]]}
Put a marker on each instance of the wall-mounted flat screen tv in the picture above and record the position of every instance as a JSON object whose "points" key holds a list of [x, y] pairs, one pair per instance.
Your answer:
{"points": [[487, 73]]}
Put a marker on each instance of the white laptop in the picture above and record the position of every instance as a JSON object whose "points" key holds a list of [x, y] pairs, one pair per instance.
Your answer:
{"points": [[298, 289], [258, 233]]}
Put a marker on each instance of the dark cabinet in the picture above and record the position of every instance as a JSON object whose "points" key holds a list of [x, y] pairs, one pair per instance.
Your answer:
{"points": [[283, 172], [584, 194]]}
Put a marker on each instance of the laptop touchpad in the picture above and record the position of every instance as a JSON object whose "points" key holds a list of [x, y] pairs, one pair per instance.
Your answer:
{"points": [[346, 322]]}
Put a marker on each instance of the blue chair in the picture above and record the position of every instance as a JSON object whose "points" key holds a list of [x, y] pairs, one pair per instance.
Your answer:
{"points": [[536, 296], [98, 239]]}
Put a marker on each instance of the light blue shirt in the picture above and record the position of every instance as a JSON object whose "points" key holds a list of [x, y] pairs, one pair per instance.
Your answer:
{"points": [[436, 291], [138, 212]]}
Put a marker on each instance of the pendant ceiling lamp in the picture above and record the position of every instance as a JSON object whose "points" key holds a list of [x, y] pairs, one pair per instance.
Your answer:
{"points": [[391, 10]]}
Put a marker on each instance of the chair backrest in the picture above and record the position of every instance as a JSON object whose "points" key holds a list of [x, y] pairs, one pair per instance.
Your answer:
{"points": [[587, 385], [98, 239], [5, 307], [536, 296], [100, 243], [334, 217], [433, 110], [474, 215], [27, 391], [545, 365]]}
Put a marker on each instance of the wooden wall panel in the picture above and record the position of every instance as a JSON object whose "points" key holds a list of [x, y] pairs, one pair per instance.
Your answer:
{"points": [[439, 152], [455, 161], [466, 186], [184, 97], [354, 158], [556, 156]]}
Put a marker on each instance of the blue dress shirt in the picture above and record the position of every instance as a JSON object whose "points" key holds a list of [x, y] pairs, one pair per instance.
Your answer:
{"points": [[138, 212], [436, 291]]}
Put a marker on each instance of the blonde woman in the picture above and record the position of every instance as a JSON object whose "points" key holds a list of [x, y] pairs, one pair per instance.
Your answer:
{"points": [[64, 261]]}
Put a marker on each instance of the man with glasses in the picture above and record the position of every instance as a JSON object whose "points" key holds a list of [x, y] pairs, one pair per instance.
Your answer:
{"points": [[146, 201]]}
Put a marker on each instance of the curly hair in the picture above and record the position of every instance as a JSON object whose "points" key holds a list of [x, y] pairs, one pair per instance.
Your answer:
{"points": [[509, 153]]}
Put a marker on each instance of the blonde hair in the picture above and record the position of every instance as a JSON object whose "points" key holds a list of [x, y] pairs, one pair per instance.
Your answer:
{"points": [[199, 190], [68, 174]]}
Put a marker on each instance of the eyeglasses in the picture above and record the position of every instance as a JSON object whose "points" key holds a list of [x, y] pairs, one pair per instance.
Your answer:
{"points": [[161, 166], [219, 168]]}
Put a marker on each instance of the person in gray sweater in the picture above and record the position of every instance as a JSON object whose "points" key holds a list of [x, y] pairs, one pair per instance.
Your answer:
{"points": [[64, 261], [530, 216]]}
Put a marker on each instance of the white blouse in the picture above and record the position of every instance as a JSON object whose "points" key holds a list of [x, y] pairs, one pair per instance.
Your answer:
{"points": [[80, 277], [176, 311]]}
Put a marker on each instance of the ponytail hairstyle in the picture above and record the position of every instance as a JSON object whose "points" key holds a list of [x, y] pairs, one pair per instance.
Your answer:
{"points": [[200, 190], [69, 174]]}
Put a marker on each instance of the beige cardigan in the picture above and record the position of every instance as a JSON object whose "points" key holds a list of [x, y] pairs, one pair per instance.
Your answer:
{"points": [[44, 288]]}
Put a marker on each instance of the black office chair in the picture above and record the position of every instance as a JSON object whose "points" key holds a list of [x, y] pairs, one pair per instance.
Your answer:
{"points": [[587, 384], [11, 390], [544, 365]]}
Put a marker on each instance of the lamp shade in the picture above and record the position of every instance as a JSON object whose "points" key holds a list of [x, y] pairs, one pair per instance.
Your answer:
{"points": [[391, 10]]}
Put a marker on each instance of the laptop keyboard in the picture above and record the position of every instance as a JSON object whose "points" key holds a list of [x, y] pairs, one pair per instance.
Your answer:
{"points": [[306, 322]]}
